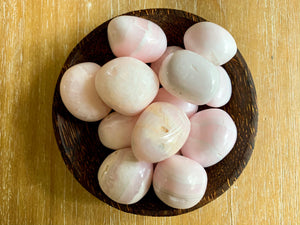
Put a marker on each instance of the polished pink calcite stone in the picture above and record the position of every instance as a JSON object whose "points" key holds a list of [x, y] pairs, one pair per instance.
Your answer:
{"points": [[115, 130], [189, 76], [160, 131], [136, 37], [213, 135], [79, 95], [164, 96], [179, 182], [211, 41], [123, 178], [156, 65], [224, 92], [127, 85]]}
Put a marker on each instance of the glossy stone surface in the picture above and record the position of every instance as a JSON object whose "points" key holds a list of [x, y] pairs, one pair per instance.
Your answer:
{"points": [[164, 96], [211, 41], [136, 37], [115, 130], [179, 182], [127, 85], [160, 132], [213, 135], [224, 92], [157, 64], [78, 93], [189, 76], [123, 178]]}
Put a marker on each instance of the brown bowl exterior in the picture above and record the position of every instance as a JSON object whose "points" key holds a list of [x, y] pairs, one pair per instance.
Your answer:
{"points": [[83, 152]]}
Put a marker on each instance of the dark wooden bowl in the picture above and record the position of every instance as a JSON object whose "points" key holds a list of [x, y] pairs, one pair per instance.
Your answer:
{"points": [[83, 153]]}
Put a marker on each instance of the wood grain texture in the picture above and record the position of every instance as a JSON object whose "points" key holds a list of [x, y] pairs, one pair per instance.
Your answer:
{"points": [[38, 35]]}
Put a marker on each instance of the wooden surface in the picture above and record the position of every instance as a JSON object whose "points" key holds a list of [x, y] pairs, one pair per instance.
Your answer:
{"points": [[38, 35]]}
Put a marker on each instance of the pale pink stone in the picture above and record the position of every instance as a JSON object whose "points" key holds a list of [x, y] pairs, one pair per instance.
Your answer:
{"points": [[223, 94], [211, 41], [160, 132], [179, 182], [213, 135], [78, 93], [156, 65], [115, 130], [127, 85], [164, 96], [123, 178], [189, 76], [136, 37]]}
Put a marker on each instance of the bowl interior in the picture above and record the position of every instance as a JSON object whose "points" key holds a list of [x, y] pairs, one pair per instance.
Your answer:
{"points": [[83, 153]]}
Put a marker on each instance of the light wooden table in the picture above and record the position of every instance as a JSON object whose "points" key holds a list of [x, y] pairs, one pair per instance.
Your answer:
{"points": [[36, 38]]}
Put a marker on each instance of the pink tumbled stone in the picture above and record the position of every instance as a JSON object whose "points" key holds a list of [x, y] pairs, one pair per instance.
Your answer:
{"points": [[123, 178], [136, 37], [179, 182], [164, 96], [223, 94], [115, 130], [156, 65], [160, 131], [78, 93], [189, 76], [213, 135], [211, 41], [127, 85]]}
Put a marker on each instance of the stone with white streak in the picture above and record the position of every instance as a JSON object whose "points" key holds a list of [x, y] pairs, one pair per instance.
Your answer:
{"points": [[123, 178]]}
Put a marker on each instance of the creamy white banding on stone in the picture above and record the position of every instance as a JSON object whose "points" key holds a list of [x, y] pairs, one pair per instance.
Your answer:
{"points": [[123, 178], [136, 37]]}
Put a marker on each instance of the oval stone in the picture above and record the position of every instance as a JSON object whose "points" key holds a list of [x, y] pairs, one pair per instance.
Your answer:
{"points": [[189, 76], [79, 95], [160, 132], [213, 135], [211, 41], [179, 182], [136, 37]]}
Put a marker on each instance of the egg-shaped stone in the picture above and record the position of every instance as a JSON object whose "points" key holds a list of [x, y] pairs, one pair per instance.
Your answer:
{"points": [[164, 96], [157, 64], [115, 130], [211, 41], [179, 182], [79, 95], [189, 76], [136, 37], [160, 131], [123, 178], [213, 135], [127, 85], [224, 92]]}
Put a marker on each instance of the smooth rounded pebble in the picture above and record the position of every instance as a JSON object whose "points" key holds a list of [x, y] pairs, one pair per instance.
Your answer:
{"points": [[164, 96], [157, 64], [78, 93], [123, 178], [136, 37], [224, 92], [127, 85], [213, 135], [179, 182], [189, 76], [115, 130], [211, 41], [160, 132]]}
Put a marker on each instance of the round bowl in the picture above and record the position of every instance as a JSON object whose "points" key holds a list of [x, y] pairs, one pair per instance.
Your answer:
{"points": [[83, 152]]}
